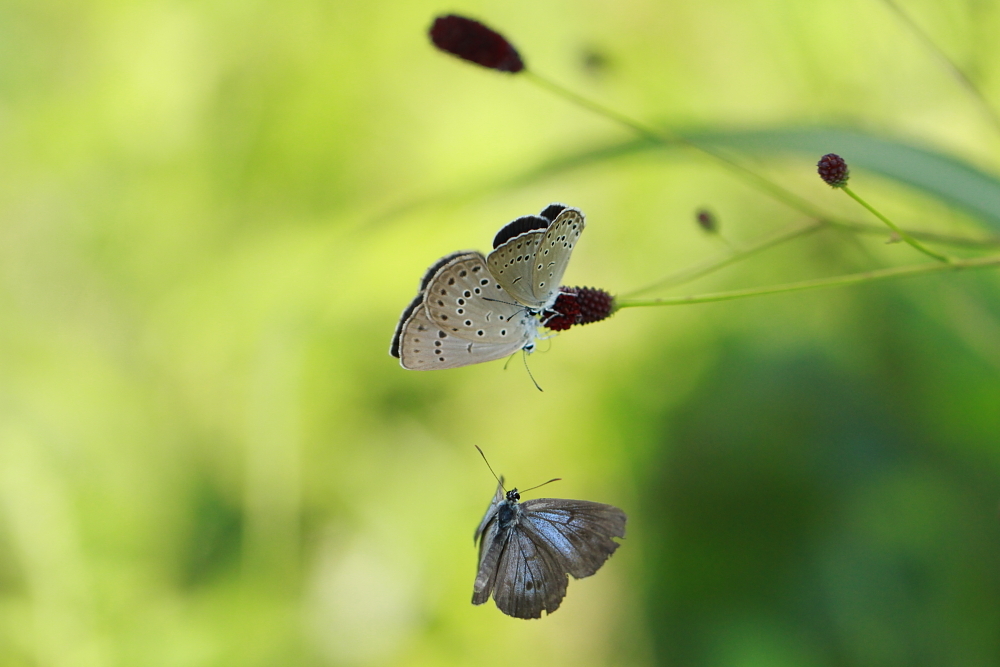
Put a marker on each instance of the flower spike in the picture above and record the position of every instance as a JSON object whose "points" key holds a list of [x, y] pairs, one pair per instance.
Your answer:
{"points": [[579, 305], [471, 40]]}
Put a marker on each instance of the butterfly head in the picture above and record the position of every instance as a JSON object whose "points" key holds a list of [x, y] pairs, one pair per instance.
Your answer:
{"points": [[513, 496]]}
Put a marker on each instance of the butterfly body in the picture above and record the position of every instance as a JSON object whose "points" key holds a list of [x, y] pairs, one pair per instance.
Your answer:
{"points": [[526, 550]]}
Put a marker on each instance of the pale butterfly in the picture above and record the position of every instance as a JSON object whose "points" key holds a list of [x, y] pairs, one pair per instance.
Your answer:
{"points": [[471, 308], [526, 550]]}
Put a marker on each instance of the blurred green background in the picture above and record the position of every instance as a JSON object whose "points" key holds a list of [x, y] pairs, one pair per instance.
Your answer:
{"points": [[212, 214]]}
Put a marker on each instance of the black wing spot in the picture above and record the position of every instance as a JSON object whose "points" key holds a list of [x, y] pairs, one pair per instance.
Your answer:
{"points": [[463, 273], [480, 332], [442, 334], [468, 323]]}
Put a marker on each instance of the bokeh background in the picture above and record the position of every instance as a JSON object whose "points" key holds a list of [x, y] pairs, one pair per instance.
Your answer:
{"points": [[212, 214]]}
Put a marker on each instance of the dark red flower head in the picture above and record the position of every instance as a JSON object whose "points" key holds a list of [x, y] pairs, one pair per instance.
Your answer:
{"points": [[578, 305], [833, 170], [472, 41]]}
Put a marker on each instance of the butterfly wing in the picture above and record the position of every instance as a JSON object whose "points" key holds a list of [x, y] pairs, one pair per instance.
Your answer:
{"points": [[530, 266], [552, 255], [511, 265], [397, 335], [491, 511], [529, 579], [491, 547], [576, 533], [463, 299], [419, 299], [422, 345]]}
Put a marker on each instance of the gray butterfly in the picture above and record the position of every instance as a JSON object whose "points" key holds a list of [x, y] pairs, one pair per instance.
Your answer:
{"points": [[461, 315], [527, 549]]}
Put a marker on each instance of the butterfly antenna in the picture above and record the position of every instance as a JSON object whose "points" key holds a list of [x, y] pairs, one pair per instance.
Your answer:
{"points": [[486, 298], [524, 355], [554, 479], [491, 469]]}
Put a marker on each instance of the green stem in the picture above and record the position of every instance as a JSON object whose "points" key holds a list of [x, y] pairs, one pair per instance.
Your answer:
{"points": [[716, 263], [903, 235], [668, 136], [792, 231], [837, 281], [932, 237]]}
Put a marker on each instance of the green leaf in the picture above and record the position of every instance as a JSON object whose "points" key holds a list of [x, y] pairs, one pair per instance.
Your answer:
{"points": [[944, 177]]}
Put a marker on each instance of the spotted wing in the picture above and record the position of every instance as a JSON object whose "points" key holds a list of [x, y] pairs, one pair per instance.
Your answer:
{"points": [[529, 578], [463, 299], [421, 345], [511, 265], [553, 253], [576, 533], [418, 300]]}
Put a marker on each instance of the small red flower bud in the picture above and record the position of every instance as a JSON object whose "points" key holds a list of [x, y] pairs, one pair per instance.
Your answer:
{"points": [[472, 41], [833, 170], [707, 221], [579, 305]]}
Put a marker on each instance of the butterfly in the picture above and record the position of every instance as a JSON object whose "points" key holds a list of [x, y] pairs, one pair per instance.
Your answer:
{"points": [[472, 308], [527, 549]]}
